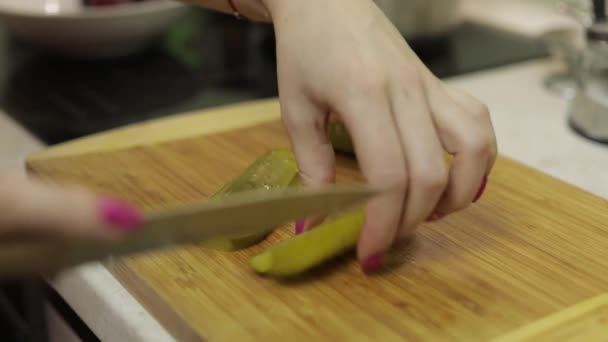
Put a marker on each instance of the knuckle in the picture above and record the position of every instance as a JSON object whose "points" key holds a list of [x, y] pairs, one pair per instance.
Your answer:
{"points": [[394, 177], [431, 175], [294, 120], [289, 120], [367, 86], [364, 79], [289, 115], [410, 74], [480, 144], [479, 139], [480, 111]]}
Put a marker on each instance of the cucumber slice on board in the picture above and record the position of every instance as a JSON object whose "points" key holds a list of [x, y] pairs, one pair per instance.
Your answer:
{"points": [[303, 252], [274, 170], [340, 139]]}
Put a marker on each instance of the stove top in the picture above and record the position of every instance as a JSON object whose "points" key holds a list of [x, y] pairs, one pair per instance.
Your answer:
{"points": [[205, 60]]}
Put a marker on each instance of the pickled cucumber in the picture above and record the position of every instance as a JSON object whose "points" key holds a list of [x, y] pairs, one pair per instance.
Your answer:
{"points": [[303, 252], [340, 139], [275, 170]]}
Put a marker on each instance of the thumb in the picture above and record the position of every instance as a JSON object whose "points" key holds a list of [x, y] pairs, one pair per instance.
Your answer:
{"points": [[31, 206], [306, 124]]}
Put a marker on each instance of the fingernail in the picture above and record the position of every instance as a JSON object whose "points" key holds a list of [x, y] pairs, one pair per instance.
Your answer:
{"points": [[119, 214], [299, 226], [481, 189], [372, 263]]}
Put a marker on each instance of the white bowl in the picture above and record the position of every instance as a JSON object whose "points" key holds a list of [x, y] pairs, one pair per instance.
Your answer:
{"points": [[68, 27]]}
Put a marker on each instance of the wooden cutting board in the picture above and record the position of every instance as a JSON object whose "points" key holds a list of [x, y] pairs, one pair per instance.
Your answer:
{"points": [[527, 262]]}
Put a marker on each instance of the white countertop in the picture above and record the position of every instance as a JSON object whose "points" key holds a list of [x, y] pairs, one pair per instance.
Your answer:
{"points": [[530, 124], [92, 291]]}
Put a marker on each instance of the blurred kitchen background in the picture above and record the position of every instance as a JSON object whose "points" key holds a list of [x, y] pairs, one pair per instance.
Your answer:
{"points": [[70, 68]]}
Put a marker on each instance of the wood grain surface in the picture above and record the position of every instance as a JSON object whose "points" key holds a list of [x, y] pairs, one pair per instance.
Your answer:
{"points": [[586, 321], [530, 249]]}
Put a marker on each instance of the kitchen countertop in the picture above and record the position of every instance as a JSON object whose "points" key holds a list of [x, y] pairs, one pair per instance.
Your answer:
{"points": [[530, 124], [98, 298]]}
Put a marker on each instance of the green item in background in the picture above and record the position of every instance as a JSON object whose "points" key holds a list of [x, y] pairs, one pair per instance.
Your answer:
{"points": [[181, 40]]}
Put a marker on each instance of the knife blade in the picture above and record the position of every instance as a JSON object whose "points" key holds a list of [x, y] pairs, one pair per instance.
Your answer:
{"points": [[235, 216]]}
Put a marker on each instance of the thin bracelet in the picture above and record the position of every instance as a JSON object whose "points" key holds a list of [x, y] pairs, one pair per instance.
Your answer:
{"points": [[235, 10]]}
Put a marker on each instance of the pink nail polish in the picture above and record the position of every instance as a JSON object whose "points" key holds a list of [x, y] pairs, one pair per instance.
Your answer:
{"points": [[119, 214], [372, 263], [481, 189], [299, 226]]}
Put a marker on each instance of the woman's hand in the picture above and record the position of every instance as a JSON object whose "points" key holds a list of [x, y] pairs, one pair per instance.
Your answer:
{"points": [[34, 207], [345, 58]]}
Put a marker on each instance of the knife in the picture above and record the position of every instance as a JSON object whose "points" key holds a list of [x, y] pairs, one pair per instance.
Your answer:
{"points": [[236, 216]]}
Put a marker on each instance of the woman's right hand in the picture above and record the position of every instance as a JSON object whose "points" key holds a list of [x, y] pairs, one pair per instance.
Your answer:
{"points": [[34, 207]]}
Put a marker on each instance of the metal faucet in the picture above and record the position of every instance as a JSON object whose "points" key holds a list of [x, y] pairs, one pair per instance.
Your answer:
{"points": [[588, 112]]}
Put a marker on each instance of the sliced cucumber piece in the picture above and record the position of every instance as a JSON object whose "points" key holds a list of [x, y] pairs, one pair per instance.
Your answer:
{"points": [[312, 248], [340, 139], [275, 170]]}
